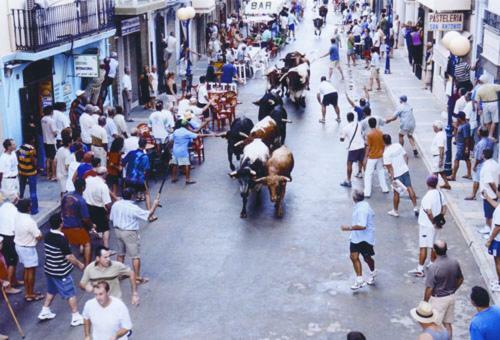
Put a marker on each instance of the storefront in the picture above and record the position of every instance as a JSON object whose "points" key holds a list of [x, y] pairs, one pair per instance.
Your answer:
{"points": [[490, 55]]}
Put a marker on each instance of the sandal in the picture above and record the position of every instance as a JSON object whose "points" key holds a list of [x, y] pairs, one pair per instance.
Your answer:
{"points": [[190, 182], [33, 298], [141, 280], [467, 177], [152, 219], [174, 180], [469, 198], [322, 121]]}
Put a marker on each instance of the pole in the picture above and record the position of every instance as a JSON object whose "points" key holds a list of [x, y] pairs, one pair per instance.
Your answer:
{"points": [[9, 306], [451, 106], [388, 38], [189, 75]]}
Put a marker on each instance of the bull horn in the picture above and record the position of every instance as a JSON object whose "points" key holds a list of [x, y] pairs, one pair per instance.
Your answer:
{"points": [[222, 135], [242, 134], [252, 172], [288, 179], [232, 174], [239, 143], [284, 120], [260, 180]]}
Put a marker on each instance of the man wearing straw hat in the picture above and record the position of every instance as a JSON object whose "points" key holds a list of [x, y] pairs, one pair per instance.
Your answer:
{"points": [[426, 316]]}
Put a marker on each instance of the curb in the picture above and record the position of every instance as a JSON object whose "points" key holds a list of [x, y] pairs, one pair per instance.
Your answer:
{"points": [[482, 259], [42, 219]]}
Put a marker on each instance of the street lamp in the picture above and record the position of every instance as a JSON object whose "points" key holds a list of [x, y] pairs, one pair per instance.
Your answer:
{"points": [[458, 46], [185, 14]]}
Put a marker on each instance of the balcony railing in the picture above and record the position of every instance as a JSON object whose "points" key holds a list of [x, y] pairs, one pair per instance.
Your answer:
{"points": [[42, 28]]}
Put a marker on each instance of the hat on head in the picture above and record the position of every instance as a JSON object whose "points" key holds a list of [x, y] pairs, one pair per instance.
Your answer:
{"points": [[438, 124], [403, 98], [484, 78], [79, 93], [432, 181], [424, 313]]}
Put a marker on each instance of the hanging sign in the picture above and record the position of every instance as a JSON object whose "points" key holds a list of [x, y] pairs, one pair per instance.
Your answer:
{"points": [[86, 65], [446, 21]]}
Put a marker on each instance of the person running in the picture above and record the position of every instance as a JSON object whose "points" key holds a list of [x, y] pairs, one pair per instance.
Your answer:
{"points": [[463, 142], [356, 147], [362, 239], [105, 317], [438, 150], [374, 70], [406, 123], [363, 103], [427, 317], [373, 158], [328, 95], [485, 325], [334, 55], [396, 163]]}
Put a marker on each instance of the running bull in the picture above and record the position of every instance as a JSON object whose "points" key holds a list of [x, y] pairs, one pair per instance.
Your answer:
{"points": [[238, 132], [271, 105]]}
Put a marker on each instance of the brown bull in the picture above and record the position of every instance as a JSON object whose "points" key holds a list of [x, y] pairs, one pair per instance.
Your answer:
{"points": [[279, 169], [267, 130]]}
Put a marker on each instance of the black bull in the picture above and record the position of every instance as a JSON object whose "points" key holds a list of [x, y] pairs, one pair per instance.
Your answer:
{"points": [[239, 130], [272, 105]]}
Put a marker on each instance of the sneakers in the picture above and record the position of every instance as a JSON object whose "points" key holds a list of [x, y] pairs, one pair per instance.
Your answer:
{"points": [[371, 279], [393, 213], [346, 184], [76, 319], [358, 285], [416, 211], [46, 314], [416, 272], [484, 230]]}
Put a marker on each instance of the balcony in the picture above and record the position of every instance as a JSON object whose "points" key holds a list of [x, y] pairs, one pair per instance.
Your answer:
{"points": [[138, 7], [447, 5], [39, 29]]}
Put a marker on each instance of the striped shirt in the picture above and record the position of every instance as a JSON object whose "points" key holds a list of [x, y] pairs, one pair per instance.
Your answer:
{"points": [[56, 250], [26, 157], [462, 72]]}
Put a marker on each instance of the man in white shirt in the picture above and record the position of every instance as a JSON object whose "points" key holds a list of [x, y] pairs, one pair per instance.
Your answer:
{"points": [[120, 123], [105, 317], [100, 140], [127, 93], [131, 143], [26, 237], [8, 216], [461, 102], [433, 203], [161, 124], [351, 133], [111, 128], [374, 69], [98, 198], [86, 124], [63, 160], [438, 150], [396, 163], [327, 95], [49, 132], [9, 181], [61, 119], [203, 99], [488, 184], [170, 43]]}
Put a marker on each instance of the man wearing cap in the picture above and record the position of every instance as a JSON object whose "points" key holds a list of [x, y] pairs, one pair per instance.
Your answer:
{"points": [[444, 278], [86, 125], [433, 203], [463, 141], [438, 150], [426, 316], [487, 96], [406, 122], [100, 140]]}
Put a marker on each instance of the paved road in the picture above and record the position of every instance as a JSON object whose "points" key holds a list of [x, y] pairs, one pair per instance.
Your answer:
{"points": [[216, 276]]}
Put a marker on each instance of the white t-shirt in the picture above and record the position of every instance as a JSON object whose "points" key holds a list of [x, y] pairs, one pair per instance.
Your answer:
{"points": [[183, 106], [86, 124], [202, 94], [63, 159], [489, 174], [120, 124], [96, 192], [325, 87], [347, 133], [99, 132], [106, 321], [8, 165], [460, 104], [130, 144], [73, 166], [113, 66], [62, 122], [375, 62], [470, 114], [158, 124], [8, 216], [394, 155], [49, 130], [439, 141], [26, 231], [171, 41], [496, 221], [430, 201]]}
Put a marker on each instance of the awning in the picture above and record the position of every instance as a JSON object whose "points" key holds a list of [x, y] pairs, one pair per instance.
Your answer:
{"points": [[253, 19], [203, 6], [264, 7]]}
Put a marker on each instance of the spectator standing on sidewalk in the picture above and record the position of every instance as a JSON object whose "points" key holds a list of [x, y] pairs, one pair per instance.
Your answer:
{"points": [[100, 140], [26, 237], [49, 132], [484, 143], [396, 163], [362, 239], [488, 187], [406, 123], [493, 242], [27, 168], [59, 262], [487, 96], [75, 111], [433, 203], [485, 325], [137, 166], [328, 95], [120, 123], [426, 316], [463, 142], [355, 147], [8, 215], [438, 150], [127, 94], [444, 278], [373, 158], [86, 125], [106, 317], [105, 269], [63, 160], [9, 182]]}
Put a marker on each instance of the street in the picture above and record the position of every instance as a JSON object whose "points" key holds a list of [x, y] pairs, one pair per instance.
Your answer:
{"points": [[216, 276]]}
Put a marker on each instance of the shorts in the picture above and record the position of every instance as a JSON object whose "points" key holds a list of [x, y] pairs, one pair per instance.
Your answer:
{"points": [[63, 286], [435, 168], [494, 248], [181, 161], [50, 150], [350, 52], [364, 248], [445, 308], [488, 209], [138, 187], [9, 250], [356, 155], [76, 236], [27, 256], [490, 113], [334, 63], [376, 49], [10, 185], [330, 99], [375, 73], [291, 27], [406, 132], [367, 54], [460, 155], [405, 179], [427, 235], [128, 242], [112, 179], [99, 217], [160, 141], [477, 173]]}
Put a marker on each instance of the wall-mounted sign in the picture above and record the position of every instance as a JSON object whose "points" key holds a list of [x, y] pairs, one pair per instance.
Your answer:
{"points": [[445, 21], [86, 65], [263, 7], [129, 26]]}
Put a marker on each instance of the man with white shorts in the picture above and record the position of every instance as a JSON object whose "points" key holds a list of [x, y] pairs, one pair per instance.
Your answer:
{"points": [[487, 95], [433, 203]]}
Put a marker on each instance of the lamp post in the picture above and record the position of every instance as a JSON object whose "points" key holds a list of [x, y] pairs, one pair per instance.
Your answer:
{"points": [[458, 46], [185, 14], [388, 38]]}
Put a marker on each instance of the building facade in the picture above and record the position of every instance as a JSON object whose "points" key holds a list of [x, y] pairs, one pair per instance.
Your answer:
{"points": [[490, 40]]}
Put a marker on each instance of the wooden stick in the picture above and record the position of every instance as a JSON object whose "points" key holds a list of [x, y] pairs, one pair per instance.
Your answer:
{"points": [[12, 312]]}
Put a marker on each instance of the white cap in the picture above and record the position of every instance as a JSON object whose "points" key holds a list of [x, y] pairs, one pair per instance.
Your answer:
{"points": [[79, 93], [438, 124], [484, 78]]}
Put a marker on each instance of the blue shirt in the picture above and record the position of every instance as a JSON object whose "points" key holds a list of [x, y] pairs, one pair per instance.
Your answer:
{"points": [[73, 210], [182, 137], [228, 73], [485, 325], [363, 216], [334, 53], [463, 132], [82, 169], [137, 164], [484, 143]]}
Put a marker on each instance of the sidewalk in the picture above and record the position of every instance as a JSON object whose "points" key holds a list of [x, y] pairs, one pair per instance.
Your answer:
{"points": [[427, 108]]}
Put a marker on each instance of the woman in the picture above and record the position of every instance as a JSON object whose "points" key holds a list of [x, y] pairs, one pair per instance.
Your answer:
{"points": [[114, 164], [144, 94], [171, 87]]}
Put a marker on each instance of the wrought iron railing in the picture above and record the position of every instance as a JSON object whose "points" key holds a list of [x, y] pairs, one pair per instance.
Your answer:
{"points": [[42, 28]]}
